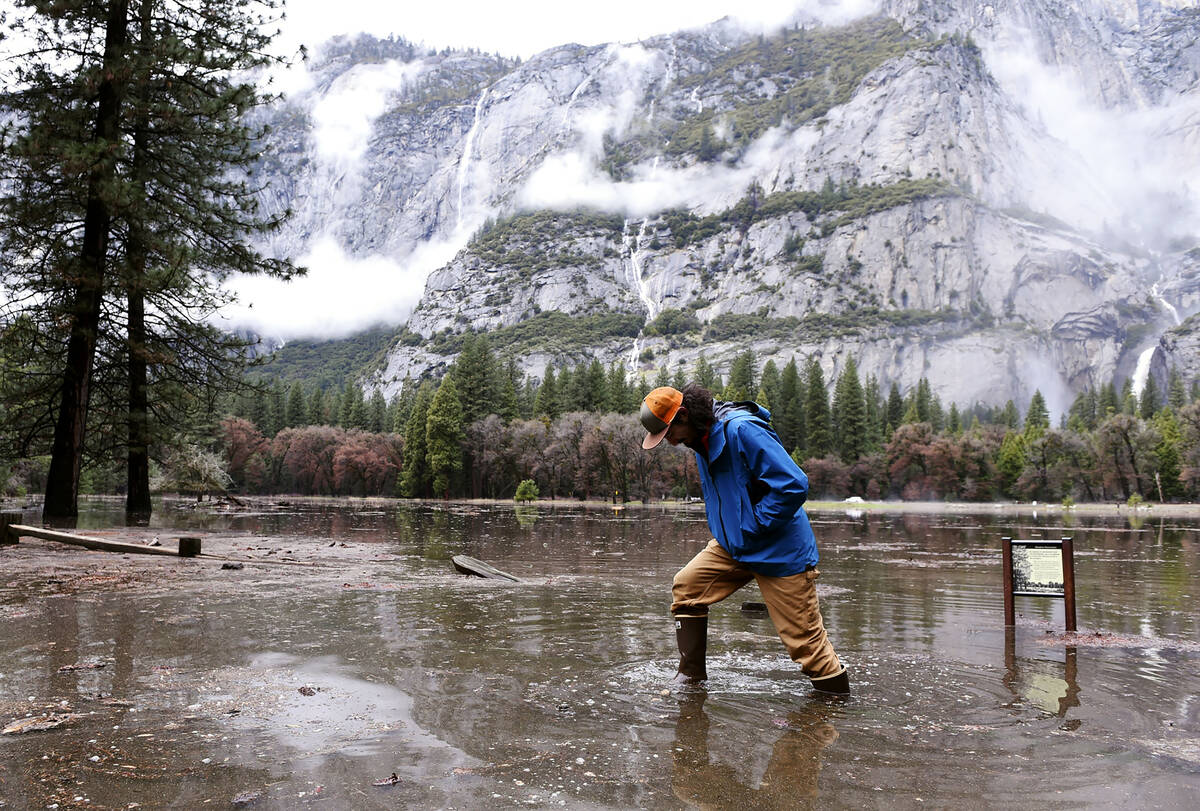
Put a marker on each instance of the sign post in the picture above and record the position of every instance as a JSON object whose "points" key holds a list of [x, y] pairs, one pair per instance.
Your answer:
{"points": [[1037, 568]]}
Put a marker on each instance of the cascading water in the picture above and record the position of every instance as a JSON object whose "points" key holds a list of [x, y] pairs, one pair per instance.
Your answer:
{"points": [[1168, 306], [464, 162], [638, 283], [1141, 372], [565, 126]]}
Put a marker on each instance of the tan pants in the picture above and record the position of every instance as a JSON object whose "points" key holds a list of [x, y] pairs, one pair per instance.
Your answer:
{"points": [[713, 575]]}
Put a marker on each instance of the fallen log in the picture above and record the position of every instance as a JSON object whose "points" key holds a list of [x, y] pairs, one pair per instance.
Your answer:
{"points": [[188, 547], [477, 568]]}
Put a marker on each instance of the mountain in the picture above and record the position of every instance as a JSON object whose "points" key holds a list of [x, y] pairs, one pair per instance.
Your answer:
{"points": [[999, 196]]}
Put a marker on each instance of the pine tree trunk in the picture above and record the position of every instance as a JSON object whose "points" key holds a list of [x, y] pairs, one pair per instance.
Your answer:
{"points": [[61, 507], [137, 494], [137, 466]]}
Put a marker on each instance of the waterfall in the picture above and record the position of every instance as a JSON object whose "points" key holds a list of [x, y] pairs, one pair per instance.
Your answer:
{"points": [[1166, 304], [1141, 372], [637, 280], [464, 162], [695, 97], [582, 86]]}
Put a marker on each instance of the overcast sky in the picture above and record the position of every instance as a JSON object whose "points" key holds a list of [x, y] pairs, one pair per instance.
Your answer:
{"points": [[520, 27]]}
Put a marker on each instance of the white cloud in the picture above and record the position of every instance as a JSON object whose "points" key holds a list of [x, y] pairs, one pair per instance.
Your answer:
{"points": [[574, 179], [343, 117], [339, 296]]}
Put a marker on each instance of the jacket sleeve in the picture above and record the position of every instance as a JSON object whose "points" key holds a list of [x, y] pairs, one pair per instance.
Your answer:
{"points": [[783, 484]]}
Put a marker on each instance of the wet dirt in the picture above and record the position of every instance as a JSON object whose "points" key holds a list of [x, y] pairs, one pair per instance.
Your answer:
{"points": [[347, 651]]}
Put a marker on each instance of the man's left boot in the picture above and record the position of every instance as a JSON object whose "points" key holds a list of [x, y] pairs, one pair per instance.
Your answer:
{"points": [[691, 633], [838, 684]]}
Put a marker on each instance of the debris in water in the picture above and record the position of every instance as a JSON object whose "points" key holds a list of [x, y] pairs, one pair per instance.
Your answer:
{"points": [[82, 666], [308, 690], [464, 564], [388, 781], [245, 798], [38, 723], [234, 565]]}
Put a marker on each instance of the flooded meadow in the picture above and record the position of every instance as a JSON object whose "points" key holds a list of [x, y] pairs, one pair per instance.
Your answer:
{"points": [[326, 654]]}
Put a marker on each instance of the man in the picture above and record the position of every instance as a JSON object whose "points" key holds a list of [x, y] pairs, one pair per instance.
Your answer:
{"points": [[753, 496]]}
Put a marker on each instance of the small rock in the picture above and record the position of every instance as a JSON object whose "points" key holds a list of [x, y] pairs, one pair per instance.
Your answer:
{"points": [[233, 565], [307, 690], [245, 798]]}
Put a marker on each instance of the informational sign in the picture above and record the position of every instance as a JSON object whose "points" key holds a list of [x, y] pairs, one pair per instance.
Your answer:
{"points": [[1039, 568]]}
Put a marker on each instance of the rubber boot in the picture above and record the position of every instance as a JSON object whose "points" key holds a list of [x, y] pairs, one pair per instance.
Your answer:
{"points": [[691, 633], [838, 684]]}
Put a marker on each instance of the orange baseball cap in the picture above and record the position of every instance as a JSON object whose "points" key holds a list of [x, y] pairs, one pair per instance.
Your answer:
{"points": [[658, 409]]}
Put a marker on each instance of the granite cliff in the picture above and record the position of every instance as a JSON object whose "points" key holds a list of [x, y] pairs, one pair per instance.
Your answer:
{"points": [[906, 189]]}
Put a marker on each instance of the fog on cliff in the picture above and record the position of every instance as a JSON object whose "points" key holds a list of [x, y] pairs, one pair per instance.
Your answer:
{"points": [[1127, 173]]}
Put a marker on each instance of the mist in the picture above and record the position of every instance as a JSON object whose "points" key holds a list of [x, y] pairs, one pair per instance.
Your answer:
{"points": [[1129, 173], [339, 296]]}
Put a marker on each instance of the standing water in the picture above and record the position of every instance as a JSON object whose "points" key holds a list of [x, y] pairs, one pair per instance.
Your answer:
{"points": [[293, 684]]}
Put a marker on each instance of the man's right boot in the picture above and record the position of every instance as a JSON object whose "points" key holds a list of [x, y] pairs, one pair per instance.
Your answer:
{"points": [[837, 684], [691, 634]]}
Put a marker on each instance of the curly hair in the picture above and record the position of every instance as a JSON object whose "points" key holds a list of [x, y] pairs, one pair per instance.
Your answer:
{"points": [[699, 404]]}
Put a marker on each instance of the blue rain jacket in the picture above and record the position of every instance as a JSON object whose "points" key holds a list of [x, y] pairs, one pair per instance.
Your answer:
{"points": [[754, 493]]}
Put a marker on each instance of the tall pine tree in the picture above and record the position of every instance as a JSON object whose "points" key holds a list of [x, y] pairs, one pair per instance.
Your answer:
{"points": [[819, 439], [415, 479], [444, 432], [131, 152], [849, 415]]}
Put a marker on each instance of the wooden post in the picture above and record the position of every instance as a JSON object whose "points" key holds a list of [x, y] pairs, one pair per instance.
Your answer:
{"points": [[6, 535], [1068, 563], [1010, 614], [189, 547]]}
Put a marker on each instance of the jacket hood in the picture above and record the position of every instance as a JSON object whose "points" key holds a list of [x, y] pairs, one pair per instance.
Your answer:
{"points": [[723, 408]]}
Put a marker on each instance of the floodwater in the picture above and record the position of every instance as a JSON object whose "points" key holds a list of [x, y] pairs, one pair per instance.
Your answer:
{"points": [[293, 686]]}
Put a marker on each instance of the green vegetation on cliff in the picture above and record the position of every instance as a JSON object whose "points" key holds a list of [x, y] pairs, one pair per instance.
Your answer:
{"points": [[552, 332], [797, 76], [849, 202], [541, 240], [329, 363]]}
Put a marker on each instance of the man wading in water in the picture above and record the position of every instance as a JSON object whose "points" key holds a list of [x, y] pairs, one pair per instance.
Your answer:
{"points": [[753, 495]]}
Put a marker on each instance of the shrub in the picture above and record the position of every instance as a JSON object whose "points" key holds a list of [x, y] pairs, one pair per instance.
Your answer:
{"points": [[527, 490]]}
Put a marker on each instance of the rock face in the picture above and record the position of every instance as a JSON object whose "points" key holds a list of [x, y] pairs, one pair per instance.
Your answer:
{"points": [[885, 190]]}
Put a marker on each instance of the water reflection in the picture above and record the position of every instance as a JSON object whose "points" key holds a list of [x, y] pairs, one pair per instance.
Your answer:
{"points": [[526, 515], [548, 692], [792, 773], [1038, 682]]}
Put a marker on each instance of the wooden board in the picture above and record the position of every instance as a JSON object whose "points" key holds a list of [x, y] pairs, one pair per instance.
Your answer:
{"points": [[18, 530], [477, 568]]}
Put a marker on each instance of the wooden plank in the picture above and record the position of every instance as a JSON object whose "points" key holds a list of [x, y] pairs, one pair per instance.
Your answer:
{"points": [[17, 530], [477, 568]]}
